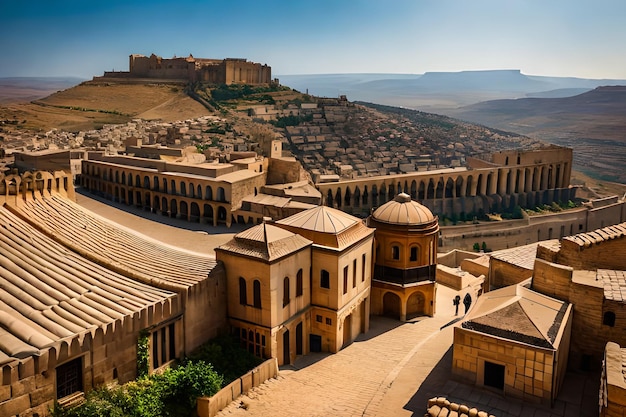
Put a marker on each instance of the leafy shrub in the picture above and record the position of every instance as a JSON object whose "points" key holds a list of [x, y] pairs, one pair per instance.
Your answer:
{"points": [[227, 356], [172, 393]]}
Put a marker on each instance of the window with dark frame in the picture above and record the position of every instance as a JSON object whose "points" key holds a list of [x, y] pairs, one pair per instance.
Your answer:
{"points": [[69, 377]]}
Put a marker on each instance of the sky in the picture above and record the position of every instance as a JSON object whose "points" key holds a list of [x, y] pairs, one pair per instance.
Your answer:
{"points": [[84, 38]]}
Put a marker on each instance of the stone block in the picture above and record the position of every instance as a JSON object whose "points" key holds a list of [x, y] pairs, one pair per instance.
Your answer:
{"points": [[26, 368], [42, 395], [5, 392], [23, 386], [15, 406]]}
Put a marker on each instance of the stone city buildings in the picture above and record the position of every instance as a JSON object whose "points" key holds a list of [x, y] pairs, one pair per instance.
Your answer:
{"points": [[78, 295], [190, 69]]}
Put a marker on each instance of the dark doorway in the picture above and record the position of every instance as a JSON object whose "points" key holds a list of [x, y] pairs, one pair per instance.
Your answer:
{"points": [[299, 339], [316, 342], [494, 375], [286, 358]]}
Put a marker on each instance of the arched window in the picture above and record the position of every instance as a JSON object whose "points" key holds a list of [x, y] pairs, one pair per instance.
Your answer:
{"points": [[257, 293], [299, 283], [243, 298], [413, 253], [395, 252], [609, 319], [286, 291], [324, 279]]}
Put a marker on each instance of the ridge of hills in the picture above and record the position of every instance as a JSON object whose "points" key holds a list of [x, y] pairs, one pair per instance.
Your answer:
{"points": [[592, 123]]}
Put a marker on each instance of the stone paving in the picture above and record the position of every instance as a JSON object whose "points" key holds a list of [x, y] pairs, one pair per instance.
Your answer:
{"points": [[391, 371]]}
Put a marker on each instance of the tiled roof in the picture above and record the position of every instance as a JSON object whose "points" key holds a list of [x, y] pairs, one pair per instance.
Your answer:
{"points": [[326, 226], [113, 246], [266, 242], [522, 256], [599, 235], [519, 314], [321, 219], [614, 283], [51, 293]]}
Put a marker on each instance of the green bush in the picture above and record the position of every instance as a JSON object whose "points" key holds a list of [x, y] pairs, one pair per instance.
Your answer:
{"points": [[227, 356], [172, 393]]}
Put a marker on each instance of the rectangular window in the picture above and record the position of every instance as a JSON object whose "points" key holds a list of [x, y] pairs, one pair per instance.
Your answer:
{"points": [[324, 279], [163, 343], [329, 321], [354, 273], [318, 318], [69, 378], [345, 279], [363, 259]]}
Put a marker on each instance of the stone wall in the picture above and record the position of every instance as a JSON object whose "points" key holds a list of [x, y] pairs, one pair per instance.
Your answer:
{"points": [[529, 371], [613, 384], [107, 354], [210, 406]]}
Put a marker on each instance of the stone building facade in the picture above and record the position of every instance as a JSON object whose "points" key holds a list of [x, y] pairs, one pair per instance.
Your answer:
{"points": [[190, 69], [341, 274], [496, 182], [589, 271], [77, 297], [269, 293], [515, 341], [405, 262], [207, 193]]}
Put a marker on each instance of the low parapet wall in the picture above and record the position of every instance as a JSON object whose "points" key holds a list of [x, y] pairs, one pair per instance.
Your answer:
{"points": [[210, 406]]}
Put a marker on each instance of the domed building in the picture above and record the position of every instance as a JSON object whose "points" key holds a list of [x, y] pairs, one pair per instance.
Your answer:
{"points": [[405, 259]]}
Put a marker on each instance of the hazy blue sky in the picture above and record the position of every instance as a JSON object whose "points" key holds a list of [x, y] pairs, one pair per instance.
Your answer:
{"points": [[541, 37]]}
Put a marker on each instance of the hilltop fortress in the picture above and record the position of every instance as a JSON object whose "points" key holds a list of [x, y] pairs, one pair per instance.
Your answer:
{"points": [[190, 69]]}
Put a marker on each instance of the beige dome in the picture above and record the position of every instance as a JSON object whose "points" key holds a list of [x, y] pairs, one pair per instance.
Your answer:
{"points": [[402, 210]]}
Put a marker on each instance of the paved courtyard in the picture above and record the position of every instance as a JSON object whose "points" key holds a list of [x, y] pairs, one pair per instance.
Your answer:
{"points": [[391, 371]]}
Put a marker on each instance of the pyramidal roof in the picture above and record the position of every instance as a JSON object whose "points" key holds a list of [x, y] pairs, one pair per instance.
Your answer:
{"points": [[404, 211], [321, 219], [266, 242], [519, 314]]}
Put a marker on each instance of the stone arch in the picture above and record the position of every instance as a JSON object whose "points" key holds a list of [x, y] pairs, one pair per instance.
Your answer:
{"points": [[183, 210], [164, 206], [156, 205], [173, 208], [329, 198], [222, 214], [365, 196], [348, 197], [391, 192], [450, 191], [357, 197], [430, 191], [194, 214], [183, 188], [382, 196], [469, 192], [392, 305], [413, 192], [199, 191], [459, 187], [208, 193], [439, 192], [338, 198], [173, 187], [221, 195], [192, 190], [415, 305], [208, 212], [374, 195]]}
